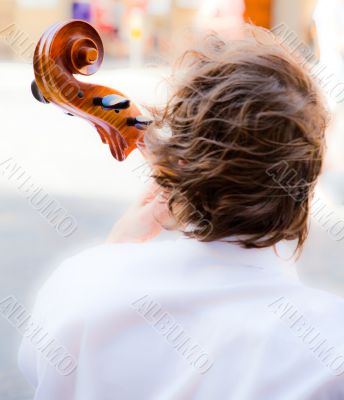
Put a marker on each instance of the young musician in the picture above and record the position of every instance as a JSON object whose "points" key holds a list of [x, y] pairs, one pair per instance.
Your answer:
{"points": [[213, 314]]}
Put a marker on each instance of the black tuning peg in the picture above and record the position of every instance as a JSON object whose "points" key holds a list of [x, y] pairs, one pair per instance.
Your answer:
{"points": [[140, 122], [37, 93], [112, 102]]}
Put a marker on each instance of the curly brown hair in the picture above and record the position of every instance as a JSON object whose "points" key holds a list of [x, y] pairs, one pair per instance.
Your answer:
{"points": [[237, 111]]}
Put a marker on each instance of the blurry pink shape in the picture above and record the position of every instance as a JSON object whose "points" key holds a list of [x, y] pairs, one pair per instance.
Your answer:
{"points": [[223, 16]]}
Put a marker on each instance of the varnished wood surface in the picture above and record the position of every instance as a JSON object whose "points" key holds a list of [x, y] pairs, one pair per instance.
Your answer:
{"points": [[70, 48]]}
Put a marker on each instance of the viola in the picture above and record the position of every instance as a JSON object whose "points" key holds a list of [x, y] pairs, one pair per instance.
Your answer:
{"points": [[70, 48]]}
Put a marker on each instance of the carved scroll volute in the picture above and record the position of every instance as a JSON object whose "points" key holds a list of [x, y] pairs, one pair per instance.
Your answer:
{"points": [[71, 48]]}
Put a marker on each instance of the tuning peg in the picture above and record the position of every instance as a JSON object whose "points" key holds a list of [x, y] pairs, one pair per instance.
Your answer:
{"points": [[140, 122], [37, 93], [112, 102]]}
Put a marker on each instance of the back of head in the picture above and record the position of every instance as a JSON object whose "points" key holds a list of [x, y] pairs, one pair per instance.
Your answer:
{"points": [[246, 143]]}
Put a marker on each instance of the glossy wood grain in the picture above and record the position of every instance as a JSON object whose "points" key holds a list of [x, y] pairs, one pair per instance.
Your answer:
{"points": [[70, 48]]}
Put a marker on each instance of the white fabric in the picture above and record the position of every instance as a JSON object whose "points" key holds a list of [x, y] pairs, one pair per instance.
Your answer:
{"points": [[238, 306]]}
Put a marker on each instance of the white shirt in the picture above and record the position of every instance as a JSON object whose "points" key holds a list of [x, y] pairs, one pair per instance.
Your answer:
{"points": [[183, 320]]}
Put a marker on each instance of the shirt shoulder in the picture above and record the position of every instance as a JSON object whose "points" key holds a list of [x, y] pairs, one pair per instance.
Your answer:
{"points": [[104, 274], [96, 303]]}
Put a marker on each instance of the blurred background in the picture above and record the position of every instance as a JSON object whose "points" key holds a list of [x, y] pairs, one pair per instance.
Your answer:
{"points": [[64, 156]]}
